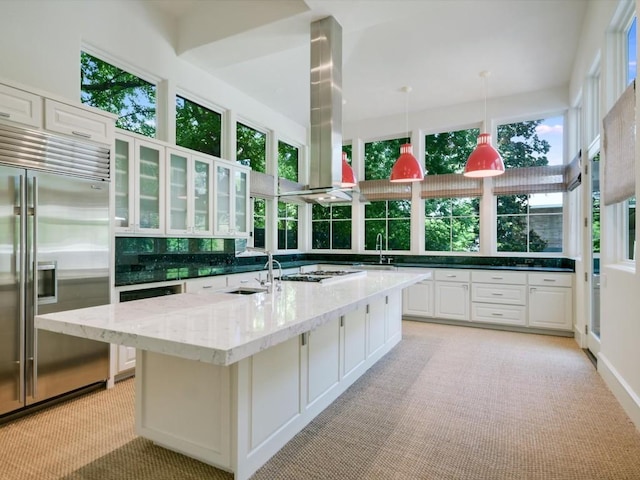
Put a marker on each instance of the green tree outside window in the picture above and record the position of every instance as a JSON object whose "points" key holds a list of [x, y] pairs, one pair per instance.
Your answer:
{"points": [[114, 90], [198, 128]]}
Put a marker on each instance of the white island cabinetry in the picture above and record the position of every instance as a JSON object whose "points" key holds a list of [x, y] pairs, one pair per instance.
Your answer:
{"points": [[257, 368]]}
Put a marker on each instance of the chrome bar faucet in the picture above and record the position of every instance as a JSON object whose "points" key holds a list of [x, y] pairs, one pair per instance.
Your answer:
{"points": [[379, 246], [269, 265]]}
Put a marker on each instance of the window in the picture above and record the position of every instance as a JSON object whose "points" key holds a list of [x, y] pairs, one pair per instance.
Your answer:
{"points": [[259, 222], [392, 220], [630, 204], [451, 224], [287, 226], [197, 127], [529, 220], [251, 147], [331, 227], [287, 161], [530, 223], [114, 90], [389, 218]]}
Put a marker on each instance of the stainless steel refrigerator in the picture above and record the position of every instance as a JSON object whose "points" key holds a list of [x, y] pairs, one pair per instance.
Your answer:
{"points": [[54, 256]]}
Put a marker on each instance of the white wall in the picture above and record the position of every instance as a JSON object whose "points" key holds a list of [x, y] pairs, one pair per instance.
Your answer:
{"points": [[619, 356]]}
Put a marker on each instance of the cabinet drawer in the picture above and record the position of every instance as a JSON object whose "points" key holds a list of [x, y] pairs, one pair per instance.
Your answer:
{"points": [[74, 121], [502, 314], [20, 106], [453, 275], [500, 277], [507, 294], [208, 284], [551, 279]]}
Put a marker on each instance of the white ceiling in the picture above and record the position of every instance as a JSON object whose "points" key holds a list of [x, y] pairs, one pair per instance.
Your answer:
{"points": [[438, 47]]}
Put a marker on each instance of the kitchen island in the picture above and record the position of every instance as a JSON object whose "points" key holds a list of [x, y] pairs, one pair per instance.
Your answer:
{"points": [[229, 379]]}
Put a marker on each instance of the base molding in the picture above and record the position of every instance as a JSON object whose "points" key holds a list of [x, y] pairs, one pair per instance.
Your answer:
{"points": [[620, 388]]}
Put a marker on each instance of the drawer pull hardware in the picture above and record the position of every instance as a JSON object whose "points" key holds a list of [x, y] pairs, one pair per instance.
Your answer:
{"points": [[497, 294], [549, 279], [497, 278], [81, 134], [207, 286], [451, 276], [496, 314], [5, 115]]}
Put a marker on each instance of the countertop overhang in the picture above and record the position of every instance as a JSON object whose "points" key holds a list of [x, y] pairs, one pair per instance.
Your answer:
{"points": [[223, 328]]}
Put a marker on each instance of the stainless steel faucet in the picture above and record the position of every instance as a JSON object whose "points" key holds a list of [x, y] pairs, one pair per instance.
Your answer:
{"points": [[270, 261], [379, 246]]}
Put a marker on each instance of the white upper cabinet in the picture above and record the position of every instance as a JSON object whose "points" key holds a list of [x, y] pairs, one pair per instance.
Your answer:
{"points": [[77, 122], [20, 106], [231, 212], [189, 194], [139, 186]]}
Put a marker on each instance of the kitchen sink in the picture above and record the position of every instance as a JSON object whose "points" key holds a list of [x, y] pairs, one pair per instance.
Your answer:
{"points": [[247, 290]]}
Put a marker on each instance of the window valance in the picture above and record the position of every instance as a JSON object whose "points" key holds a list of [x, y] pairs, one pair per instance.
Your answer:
{"points": [[526, 180], [376, 190]]}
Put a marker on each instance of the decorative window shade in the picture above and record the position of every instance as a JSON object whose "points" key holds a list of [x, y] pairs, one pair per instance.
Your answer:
{"points": [[262, 185], [618, 145], [572, 174], [450, 185], [375, 190], [525, 180]]}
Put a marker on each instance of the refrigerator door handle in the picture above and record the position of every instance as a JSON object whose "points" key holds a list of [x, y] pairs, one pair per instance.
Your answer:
{"points": [[20, 270], [35, 273]]}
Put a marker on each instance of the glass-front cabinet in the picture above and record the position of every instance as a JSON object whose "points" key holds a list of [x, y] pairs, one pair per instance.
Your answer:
{"points": [[231, 213], [139, 186], [189, 194]]}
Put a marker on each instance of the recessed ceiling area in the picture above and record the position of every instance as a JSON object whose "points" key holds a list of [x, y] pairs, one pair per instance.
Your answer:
{"points": [[438, 46]]}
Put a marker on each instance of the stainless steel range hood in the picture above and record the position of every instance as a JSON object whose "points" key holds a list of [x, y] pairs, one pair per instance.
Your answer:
{"points": [[325, 174]]}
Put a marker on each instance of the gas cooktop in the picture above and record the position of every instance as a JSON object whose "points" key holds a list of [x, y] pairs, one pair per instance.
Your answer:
{"points": [[323, 276]]}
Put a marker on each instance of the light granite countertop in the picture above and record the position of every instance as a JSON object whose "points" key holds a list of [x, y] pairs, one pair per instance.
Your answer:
{"points": [[223, 328]]}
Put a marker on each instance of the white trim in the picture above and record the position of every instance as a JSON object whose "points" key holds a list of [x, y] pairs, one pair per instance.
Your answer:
{"points": [[628, 399]]}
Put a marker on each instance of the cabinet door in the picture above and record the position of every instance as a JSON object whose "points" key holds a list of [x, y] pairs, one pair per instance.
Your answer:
{"points": [[418, 299], [126, 358], [202, 196], [241, 202], [452, 300], [124, 185], [222, 212], [393, 316], [355, 339], [150, 187], [177, 192], [78, 122], [20, 106], [324, 359], [377, 318], [550, 307]]}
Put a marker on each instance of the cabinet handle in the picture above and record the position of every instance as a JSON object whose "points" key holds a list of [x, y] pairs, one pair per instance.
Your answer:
{"points": [[549, 279], [497, 294], [451, 276], [207, 286], [532, 290], [80, 134], [5, 115], [496, 278], [496, 314], [466, 287]]}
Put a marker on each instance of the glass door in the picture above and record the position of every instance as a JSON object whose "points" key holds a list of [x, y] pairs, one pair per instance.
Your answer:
{"points": [[593, 336]]}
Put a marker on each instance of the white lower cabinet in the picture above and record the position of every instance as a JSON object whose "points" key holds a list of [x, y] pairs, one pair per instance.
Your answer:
{"points": [[499, 297], [551, 300], [323, 352], [417, 300], [355, 340], [452, 294], [542, 300]]}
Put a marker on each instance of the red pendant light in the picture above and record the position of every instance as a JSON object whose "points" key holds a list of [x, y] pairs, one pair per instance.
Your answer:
{"points": [[484, 161], [348, 177], [407, 167]]}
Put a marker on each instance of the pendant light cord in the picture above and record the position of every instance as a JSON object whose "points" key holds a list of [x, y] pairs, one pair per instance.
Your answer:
{"points": [[485, 74], [406, 90]]}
